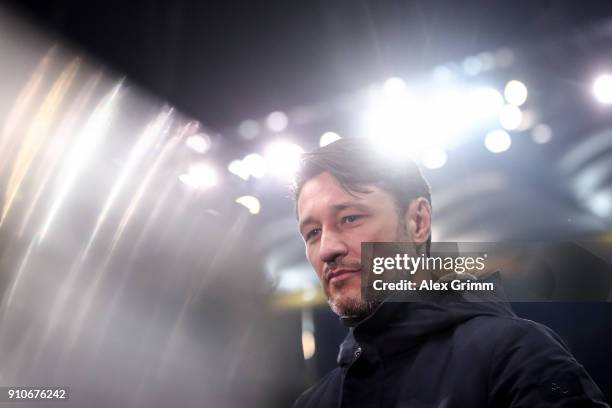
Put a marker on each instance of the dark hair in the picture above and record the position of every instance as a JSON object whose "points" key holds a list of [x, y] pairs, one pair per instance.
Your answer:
{"points": [[356, 163]]}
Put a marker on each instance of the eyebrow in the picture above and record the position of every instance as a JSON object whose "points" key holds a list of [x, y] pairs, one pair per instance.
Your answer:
{"points": [[336, 208]]}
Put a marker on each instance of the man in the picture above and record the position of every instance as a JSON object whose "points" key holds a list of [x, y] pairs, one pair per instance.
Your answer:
{"points": [[415, 354]]}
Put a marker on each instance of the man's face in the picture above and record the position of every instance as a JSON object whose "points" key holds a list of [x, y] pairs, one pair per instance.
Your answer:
{"points": [[333, 224]]}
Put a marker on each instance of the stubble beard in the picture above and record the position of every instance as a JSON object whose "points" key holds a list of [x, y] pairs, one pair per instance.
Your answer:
{"points": [[353, 307]]}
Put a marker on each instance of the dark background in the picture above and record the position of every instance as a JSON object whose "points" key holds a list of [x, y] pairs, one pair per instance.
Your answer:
{"points": [[222, 62]]}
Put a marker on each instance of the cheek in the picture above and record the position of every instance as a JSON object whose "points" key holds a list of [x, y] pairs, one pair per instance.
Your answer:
{"points": [[376, 231], [313, 257], [310, 253]]}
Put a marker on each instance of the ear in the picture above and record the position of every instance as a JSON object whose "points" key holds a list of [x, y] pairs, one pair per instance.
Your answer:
{"points": [[417, 219]]}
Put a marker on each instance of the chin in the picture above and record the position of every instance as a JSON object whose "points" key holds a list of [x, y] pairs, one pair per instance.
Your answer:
{"points": [[357, 308], [349, 303]]}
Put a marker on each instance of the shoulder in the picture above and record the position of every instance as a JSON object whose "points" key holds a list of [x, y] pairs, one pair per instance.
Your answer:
{"points": [[530, 365], [511, 331], [524, 345], [513, 345]]}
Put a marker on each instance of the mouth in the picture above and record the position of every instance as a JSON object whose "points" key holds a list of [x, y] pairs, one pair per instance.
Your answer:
{"points": [[341, 274]]}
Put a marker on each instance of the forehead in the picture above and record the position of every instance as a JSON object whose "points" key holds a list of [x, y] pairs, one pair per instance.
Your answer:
{"points": [[324, 192]]}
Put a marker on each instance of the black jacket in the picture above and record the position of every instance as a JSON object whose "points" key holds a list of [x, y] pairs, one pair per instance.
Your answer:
{"points": [[454, 354]]}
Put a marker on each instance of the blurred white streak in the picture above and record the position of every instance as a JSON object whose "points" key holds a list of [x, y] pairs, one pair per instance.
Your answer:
{"points": [[60, 142], [85, 145], [150, 136], [21, 107], [104, 256], [36, 135], [11, 292], [143, 188]]}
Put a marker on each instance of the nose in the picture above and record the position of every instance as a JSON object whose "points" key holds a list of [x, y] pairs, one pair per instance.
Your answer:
{"points": [[332, 246]]}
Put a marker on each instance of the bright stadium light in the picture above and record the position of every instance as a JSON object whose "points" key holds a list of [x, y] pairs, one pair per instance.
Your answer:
{"points": [[407, 124], [277, 121], [515, 93], [485, 103], [602, 88], [390, 121], [283, 159], [510, 117], [394, 86], [445, 116], [328, 138], [434, 158], [255, 165], [200, 176], [199, 143], [498, 141], [252, 165], [238, 168], [251, 203], [601, 204]]}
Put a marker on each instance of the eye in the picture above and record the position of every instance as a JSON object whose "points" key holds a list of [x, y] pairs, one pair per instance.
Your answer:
{"points": [[312, 233], [351, 218]]}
